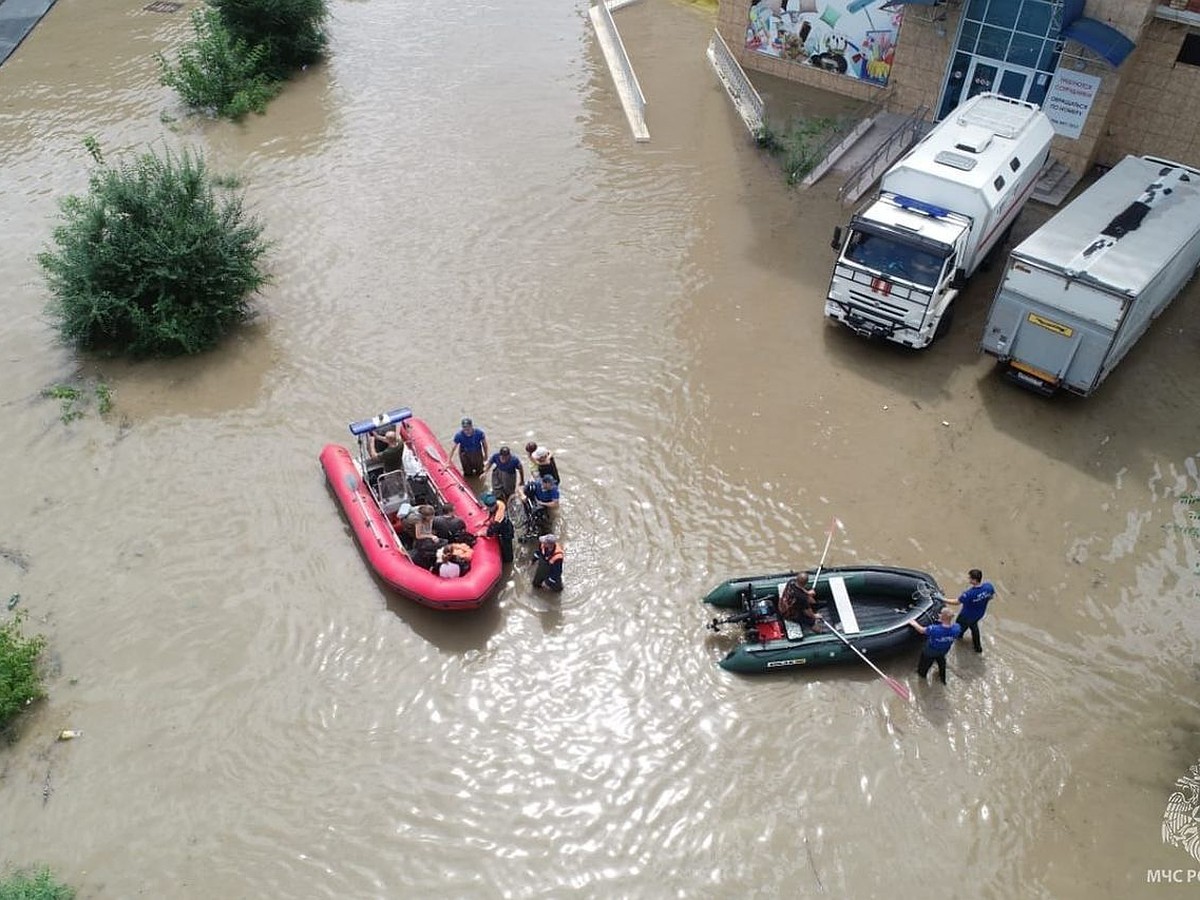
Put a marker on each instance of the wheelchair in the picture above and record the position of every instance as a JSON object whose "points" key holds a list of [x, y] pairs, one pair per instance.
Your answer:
{"points": [[530, 521]]}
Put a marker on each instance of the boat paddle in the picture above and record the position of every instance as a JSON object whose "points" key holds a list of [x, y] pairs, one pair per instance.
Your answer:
{"points": [[900, 689], [836, 523]]}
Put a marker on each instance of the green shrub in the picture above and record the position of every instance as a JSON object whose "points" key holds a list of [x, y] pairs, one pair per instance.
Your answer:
{"points": [[152, 261], [799, 145], [20, 681], [218, 73], [292, 31], [28, 884]]}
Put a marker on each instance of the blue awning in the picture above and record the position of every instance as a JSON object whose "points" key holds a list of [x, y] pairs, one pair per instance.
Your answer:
{"points": [[1100, 38]]}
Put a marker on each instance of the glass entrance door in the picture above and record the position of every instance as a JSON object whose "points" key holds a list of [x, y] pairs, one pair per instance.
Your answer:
{"points": [[999, 78], [1010, 47]]}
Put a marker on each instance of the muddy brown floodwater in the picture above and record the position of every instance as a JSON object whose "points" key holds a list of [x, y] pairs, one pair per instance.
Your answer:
{"points": [[462, 224]]}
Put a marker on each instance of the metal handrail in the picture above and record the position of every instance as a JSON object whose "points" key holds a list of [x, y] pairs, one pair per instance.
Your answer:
{"points": [[745, 98], [906, 133], [848, 124]]}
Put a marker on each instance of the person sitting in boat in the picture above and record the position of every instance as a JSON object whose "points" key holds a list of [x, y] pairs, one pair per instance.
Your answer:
{"points": [[543, 461], [798, 603], [425, 551], [448, 566], [472, 448], [392, 454], [452, 529], [453, 560], [507, 473], [423, 526]]}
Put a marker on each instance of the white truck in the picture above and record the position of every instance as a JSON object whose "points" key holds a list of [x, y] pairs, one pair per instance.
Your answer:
{"points": [[941, 208], [1080, 291]]}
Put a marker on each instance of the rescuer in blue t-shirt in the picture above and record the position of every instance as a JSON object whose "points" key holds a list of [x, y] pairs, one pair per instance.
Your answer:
{"points": [[472, 448], [974, 603], [939, 638]]}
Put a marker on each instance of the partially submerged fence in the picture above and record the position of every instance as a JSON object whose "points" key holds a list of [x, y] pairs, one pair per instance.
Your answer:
{"points": [[628, 89], [745, 98]]}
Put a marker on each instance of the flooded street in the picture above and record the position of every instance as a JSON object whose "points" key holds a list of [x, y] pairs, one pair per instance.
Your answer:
{"points": [[461, 223]]}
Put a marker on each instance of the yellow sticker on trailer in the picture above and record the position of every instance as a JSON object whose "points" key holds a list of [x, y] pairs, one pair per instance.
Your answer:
{"points": [[1064, 330]]}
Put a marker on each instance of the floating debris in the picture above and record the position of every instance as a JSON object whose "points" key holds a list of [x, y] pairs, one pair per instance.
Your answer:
{"points": [[69, 735], [13, 601]]}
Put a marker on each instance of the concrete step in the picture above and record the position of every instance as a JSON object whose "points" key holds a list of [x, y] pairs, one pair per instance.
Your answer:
{"points": [[1054, 183]]}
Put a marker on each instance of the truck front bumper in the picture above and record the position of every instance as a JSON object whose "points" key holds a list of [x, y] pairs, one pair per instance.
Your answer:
{"points": [[863, 323]]}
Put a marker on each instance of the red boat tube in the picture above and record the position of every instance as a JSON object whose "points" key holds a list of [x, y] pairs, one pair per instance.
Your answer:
{"points": [[378, 540]]}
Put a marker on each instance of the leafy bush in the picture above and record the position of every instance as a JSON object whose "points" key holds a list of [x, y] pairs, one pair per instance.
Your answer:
{"points": [[292, 31], [20, 681], [33, 885], [217, 72], [799, 145], [152, 262], [802, 143]]}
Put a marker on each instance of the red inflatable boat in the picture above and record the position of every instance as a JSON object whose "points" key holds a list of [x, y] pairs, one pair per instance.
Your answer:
{"points": [[421, 474]]}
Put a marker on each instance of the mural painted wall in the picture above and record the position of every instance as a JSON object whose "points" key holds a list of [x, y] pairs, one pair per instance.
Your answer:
{"points": [[854, 38]]}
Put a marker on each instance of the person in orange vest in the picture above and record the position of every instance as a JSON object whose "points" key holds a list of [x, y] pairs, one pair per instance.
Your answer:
{"points": [[549, 556], [499, 526]]}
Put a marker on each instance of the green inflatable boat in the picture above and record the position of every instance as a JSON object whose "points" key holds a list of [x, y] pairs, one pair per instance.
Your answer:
{"points": [[870, 606]]}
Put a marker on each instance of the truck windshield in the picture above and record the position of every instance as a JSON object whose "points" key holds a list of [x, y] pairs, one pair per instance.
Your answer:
{"points": [[891, 257]]}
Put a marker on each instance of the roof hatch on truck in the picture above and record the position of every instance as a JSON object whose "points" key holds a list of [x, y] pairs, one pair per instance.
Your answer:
{"points": [[955, 160], [973, 139]]}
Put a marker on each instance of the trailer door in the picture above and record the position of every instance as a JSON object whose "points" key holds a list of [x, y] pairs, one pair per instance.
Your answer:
{"points": [[1042, 350]]}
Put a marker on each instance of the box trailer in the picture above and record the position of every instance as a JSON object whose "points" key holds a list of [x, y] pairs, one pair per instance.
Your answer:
{"points": [[1081, 290], [941, 208]]}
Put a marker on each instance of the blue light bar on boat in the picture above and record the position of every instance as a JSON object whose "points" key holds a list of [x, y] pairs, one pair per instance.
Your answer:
{"points": [[381, 421], [922, 207]]}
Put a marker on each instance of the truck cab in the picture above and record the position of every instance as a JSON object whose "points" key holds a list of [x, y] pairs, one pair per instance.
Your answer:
{"points": [[898, 270]]}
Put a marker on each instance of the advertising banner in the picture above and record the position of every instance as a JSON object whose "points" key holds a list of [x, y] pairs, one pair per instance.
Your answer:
{"points": [[855, 38]]}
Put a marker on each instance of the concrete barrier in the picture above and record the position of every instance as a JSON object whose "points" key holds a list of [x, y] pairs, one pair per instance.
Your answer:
{"points": [[628, 89]]}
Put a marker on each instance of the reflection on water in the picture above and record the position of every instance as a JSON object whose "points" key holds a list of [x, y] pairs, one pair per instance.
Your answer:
{"points": [[461, 223]]}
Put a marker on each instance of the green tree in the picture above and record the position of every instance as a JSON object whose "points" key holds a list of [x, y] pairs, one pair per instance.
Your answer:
{"points": [[156, 259], [292, 31], [218, 73], [20, 681]]}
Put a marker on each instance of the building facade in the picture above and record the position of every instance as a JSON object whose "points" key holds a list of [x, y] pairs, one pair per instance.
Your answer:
{"points": [[1115, 76]]}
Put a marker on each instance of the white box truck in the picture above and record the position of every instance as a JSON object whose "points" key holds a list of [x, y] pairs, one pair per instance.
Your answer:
{"points": [[941, 208], [1080, 291]]}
